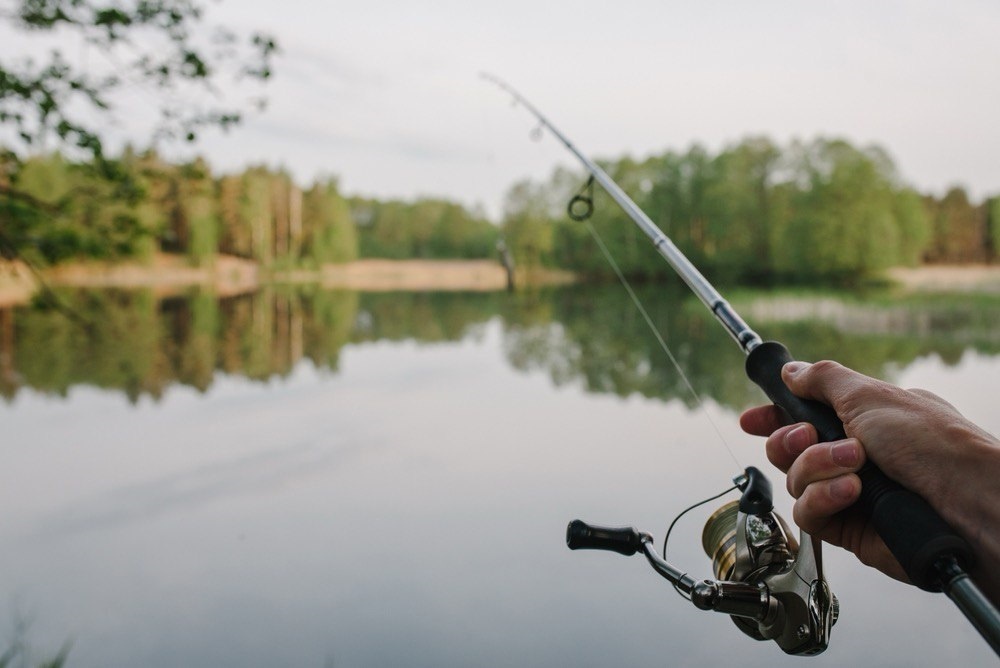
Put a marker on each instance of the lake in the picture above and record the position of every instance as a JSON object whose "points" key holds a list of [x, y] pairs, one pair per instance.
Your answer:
{"points": [[313, 478]]}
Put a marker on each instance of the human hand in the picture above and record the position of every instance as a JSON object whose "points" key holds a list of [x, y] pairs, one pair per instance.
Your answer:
{"points": [[915, 437]]}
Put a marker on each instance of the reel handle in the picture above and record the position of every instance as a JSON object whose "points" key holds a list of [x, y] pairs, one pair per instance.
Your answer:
{"points": [[912, 530], [623, 540]]}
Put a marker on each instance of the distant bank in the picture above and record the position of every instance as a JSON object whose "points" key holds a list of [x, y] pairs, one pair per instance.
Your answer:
{"points": [[948, 278], [228, 275]]}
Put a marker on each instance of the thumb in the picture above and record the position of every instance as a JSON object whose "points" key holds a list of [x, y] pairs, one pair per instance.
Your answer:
{"points": [[827, 382]]}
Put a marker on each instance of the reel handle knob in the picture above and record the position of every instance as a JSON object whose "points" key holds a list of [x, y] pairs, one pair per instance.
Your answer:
{"points": [[912, 530], [583, 536]]}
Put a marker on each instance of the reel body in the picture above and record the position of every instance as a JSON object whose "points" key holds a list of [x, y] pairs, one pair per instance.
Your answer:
{"points": [[759, 549]]}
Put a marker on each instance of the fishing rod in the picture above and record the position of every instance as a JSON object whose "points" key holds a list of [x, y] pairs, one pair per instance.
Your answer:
{"points": [[760, 553]]}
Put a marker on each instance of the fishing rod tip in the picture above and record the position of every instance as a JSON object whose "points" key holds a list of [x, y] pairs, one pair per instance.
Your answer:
{"points": [[494, 79]]}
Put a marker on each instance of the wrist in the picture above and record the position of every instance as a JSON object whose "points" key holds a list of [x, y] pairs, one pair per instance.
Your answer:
{"points": [[965, 502]]}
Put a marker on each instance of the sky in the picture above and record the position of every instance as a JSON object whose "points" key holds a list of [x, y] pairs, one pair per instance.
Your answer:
{"points": [[386, 94]]}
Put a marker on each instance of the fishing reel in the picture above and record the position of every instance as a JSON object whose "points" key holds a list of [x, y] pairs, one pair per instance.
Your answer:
{"points": [[771, 585]]}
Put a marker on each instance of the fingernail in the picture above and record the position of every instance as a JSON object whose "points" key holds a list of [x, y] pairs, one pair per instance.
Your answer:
{"points": [[842, 489], [845, 453], [797, 440], [792, 368]]}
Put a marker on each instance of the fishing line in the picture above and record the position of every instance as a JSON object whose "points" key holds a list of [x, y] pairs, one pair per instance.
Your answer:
{"points": [[659, 338], [682, 514]]}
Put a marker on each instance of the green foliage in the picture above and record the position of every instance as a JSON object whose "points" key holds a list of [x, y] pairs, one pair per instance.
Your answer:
{"points": [[841, 221], [992, 207], [197, 206], [92, 207], [165, 44], [817, 211], [55, 210], [329, 233], [914, 227], [739, 210], [527, 227], [255, 212], [62, 211], [425, 228]]}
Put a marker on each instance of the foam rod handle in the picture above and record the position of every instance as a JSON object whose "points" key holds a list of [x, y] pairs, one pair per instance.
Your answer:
{"points": [[583, 536], [913, 531]]}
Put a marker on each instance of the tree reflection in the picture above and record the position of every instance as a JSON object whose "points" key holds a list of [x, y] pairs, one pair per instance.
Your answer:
{"points": [[132, 342], [598, 338], [135, 343]]}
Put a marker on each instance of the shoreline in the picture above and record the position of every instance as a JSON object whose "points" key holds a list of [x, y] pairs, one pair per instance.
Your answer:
{"points": [[947, 278], [168, 275], [228, 276], [378, 275]]}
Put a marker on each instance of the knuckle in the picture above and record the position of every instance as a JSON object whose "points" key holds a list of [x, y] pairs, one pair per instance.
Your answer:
{"points": [[801, 473], [814, 467], [776, 456], [790, 486], [824, 367], [805, 516]]}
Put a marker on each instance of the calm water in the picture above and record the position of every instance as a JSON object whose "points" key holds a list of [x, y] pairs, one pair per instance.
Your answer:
{"points": [[312, 478]]}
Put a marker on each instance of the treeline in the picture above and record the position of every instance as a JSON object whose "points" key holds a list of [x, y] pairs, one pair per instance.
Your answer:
{"points": [[56, 210], [756, 211], [427, 228]]}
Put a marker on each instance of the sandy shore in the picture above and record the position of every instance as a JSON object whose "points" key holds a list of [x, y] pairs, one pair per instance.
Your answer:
{"points": [[415, 275], [171, 274], [406, 275], [948, 278], [421, 275], [17, 283], [166, 273]]}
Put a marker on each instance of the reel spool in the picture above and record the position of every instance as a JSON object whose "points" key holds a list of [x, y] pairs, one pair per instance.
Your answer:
{"points": [[749, 547], [718, 539]]}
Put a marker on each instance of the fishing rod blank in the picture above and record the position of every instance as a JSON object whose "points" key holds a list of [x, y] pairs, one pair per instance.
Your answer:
{"points": [[933, 556], [739, 330]]}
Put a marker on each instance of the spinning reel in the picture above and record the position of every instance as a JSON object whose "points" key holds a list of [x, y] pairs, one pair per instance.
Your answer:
{"points": [[772, 586]]}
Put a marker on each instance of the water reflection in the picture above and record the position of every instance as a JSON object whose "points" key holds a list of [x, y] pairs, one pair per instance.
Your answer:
{"points": [[288, 487], [199, 485], [139, 345]]}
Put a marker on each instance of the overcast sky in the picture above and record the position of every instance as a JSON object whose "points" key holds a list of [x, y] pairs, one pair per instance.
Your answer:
{"points": [[385, 94]]}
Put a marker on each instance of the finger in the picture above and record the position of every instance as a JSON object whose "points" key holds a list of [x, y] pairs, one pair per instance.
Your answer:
{"points": [[787, 443], [820, 381], [832, 384], [822, 462], [762, 420], [820, 501]]}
